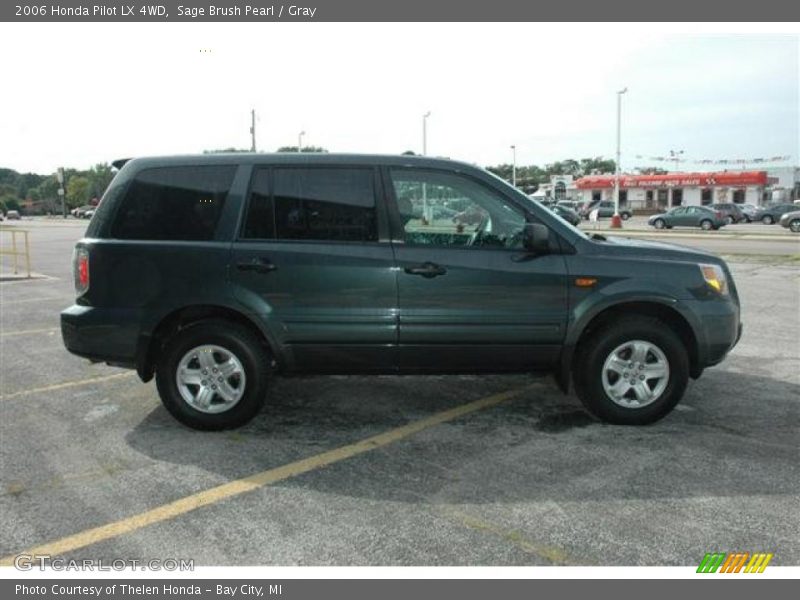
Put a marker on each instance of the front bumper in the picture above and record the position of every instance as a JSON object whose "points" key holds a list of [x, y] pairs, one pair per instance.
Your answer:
{"points": [[720, 330]]}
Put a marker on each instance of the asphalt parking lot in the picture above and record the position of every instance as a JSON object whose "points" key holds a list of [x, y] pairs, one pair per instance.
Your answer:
{"points": [[94, 468]]}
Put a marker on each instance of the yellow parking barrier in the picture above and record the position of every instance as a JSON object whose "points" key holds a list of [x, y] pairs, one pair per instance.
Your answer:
{"points": [[17, 253]]}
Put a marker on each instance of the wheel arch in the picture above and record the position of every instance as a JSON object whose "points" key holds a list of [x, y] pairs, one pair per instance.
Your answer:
{"points": [[150, 344], [651, 307]]}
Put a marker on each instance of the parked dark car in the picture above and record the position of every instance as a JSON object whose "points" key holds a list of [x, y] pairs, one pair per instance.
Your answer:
{"points": [[772, 213], [791, 220], [606, 210], [688, 216], [732, 213], [569, 215], [216, 273]]}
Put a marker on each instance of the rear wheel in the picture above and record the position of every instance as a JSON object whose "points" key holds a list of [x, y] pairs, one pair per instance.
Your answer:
{"points": [[632, 371], [767, 220], [729, 220], [659, 223], [213, 375], [625, 216], [706, 225]]}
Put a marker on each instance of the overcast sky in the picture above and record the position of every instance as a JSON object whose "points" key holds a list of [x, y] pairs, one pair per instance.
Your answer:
{"points": [[79, 94]]}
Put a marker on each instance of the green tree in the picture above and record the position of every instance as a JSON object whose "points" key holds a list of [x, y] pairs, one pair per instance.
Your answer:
{"points": [[78, 191], [9, 202], [99, 177]]}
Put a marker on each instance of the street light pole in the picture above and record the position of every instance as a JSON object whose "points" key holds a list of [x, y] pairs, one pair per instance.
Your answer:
{"points": [[616, 221], [674, 155], [253, 130], [425, 133], [300, 141], [514, 165]]}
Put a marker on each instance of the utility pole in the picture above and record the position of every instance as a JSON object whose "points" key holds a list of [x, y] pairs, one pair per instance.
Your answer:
{"points": [[61, 191], [253, 130], [616, 221]]}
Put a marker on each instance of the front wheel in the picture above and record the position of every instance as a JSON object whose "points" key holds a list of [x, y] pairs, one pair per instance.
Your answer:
{"points": [[213, 375], [625, 216], [659, 223], [632, 371], [794, 225]]}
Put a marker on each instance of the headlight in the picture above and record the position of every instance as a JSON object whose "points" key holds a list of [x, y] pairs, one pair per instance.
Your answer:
{"points": [[715, 278]]}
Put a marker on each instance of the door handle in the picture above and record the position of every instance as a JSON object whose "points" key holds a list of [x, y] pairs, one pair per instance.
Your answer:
{"points": [[257, 265], [428, 270]]}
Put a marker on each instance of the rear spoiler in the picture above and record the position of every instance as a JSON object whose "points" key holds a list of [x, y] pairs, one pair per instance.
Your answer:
{"points": [[119, 163]]}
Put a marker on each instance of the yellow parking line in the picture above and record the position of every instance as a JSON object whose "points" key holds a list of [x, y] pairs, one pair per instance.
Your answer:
{"points": [[27, 331], [66, 384], [247, 484]]}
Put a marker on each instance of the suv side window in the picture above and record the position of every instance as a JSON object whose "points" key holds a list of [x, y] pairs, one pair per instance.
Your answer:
{"points": [[312, 203], [173, 203], [446, 209]]}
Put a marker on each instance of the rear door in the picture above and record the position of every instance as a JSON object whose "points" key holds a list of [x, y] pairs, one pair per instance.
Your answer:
{"points": [[680, 217], [310, 262], [470, 298]]}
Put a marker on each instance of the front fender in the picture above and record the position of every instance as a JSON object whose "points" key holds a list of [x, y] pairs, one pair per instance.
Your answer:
{"points": [[622, 293]]}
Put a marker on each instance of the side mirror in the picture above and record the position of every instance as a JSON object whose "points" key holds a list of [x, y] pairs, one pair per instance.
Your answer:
{"points": [[536, 238]]}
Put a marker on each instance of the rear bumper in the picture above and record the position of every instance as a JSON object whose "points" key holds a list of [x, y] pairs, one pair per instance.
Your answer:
{"points": [[103, 335]]}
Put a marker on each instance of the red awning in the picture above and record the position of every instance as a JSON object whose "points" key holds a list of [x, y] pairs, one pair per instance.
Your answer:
{"points": [[724, 178]]}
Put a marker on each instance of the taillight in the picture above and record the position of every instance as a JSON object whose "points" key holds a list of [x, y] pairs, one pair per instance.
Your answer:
{"points": [[80, 270], [719, 215]]}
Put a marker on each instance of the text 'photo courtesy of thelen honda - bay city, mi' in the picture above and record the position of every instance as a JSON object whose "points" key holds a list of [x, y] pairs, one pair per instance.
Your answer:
{"points": [[217, 273]]}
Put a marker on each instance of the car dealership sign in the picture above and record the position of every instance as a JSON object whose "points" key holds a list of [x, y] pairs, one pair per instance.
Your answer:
{"points": [[732, 179]]}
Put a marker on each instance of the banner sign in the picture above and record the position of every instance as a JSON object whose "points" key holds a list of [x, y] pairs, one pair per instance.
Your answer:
{"points": [[724, 178]]}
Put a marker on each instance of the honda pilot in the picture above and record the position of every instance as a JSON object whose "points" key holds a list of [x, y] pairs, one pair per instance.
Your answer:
{"points": [[217, 273]]}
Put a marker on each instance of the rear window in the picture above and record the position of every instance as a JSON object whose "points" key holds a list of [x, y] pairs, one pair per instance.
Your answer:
{"points": [[174, 203]]}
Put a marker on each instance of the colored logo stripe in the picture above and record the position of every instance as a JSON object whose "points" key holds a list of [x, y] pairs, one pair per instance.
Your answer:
{"points": [[711, 562], [758, 563], [733, 562]]}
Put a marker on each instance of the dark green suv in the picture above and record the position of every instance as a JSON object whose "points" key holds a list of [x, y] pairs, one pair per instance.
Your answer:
{"points": [[217, 273]]}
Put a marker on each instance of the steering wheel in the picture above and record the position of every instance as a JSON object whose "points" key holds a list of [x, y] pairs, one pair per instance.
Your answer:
{"points": [[478, 230]]}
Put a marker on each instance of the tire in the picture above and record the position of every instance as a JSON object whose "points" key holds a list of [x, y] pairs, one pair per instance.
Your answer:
{"points": [[246, 387], [706, 225], [592, 378], [729, 220], [794, 225], [659, 223], [625, 216], [767, 220]]}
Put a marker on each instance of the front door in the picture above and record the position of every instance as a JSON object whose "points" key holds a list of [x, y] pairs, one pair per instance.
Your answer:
{"points": [[470, 298], [309, 263]]}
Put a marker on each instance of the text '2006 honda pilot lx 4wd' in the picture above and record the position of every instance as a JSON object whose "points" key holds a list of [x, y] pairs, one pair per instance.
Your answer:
{"points": [[216, 273]]}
